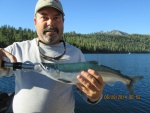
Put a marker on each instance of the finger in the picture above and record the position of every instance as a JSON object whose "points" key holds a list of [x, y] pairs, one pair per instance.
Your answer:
{"points": [[8, 55], [91, 77], [93, 94], [86, 83], [97, 76], [82, 88], [88, 92]]}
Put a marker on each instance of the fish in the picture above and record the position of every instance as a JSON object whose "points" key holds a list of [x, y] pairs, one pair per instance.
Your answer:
{"points": [[68, 72]]}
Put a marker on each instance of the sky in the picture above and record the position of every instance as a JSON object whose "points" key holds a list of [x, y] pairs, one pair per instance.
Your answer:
{"points": [[84, 16]]}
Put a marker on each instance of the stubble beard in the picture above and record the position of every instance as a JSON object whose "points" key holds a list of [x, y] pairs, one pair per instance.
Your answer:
{"points": [[51, 39]]}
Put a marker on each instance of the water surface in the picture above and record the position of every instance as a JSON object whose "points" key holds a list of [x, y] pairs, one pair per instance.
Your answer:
{"points": [[116, 99]]}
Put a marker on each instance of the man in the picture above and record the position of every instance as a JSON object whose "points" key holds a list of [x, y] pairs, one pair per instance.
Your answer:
{"points": [[35, 92]]}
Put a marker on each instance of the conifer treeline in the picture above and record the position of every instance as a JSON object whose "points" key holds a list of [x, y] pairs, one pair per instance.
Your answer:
{"points": [[9, 34], [88, 43]]}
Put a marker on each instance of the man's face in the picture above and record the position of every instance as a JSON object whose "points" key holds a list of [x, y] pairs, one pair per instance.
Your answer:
{"points": [[49, 24]]}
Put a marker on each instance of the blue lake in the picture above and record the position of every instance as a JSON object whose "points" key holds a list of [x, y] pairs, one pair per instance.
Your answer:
{"points": [[116, 99]]}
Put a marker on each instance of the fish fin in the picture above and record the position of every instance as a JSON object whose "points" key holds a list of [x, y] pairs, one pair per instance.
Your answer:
{"points": [[134, 79], [110, 83], [64, 81]]}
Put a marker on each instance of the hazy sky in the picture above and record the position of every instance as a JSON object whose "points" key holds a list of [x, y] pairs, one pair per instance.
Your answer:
{"points": [[84, 16]]}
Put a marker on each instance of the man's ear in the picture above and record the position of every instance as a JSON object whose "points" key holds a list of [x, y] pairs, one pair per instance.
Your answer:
{"points": [[34, 20]]}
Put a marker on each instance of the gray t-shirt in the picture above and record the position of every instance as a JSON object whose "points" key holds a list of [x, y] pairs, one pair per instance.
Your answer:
{"points": [[36, 92]]}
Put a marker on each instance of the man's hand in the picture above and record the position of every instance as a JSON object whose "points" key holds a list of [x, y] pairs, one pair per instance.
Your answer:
{"points": [[91, 83], [4, 53]]}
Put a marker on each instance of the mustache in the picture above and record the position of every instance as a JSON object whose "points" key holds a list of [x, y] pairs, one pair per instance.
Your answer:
{"points": [[49, 28]]}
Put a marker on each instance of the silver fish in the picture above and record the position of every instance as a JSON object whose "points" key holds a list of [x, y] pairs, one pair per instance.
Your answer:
{"points": [[67, 73]]}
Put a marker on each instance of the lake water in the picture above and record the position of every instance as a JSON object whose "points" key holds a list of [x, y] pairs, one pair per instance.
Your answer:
{"points": [[116, 99]]}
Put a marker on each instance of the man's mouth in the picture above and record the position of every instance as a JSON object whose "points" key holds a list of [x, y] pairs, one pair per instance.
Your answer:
{"points": [[50, 29]]}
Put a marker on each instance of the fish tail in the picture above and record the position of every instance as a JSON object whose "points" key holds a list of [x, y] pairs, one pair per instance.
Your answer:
{"points": [[134, 80]]}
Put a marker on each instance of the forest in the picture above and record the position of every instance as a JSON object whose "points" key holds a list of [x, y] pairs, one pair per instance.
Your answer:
{"points": [[98, 42]]}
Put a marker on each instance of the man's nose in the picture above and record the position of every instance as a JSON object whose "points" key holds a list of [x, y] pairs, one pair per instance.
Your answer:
{"points": [[50, 22]]}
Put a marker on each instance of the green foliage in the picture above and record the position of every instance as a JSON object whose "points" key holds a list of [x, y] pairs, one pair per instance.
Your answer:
{"points": [[89, 43], [9, 34], [109, 43]]}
